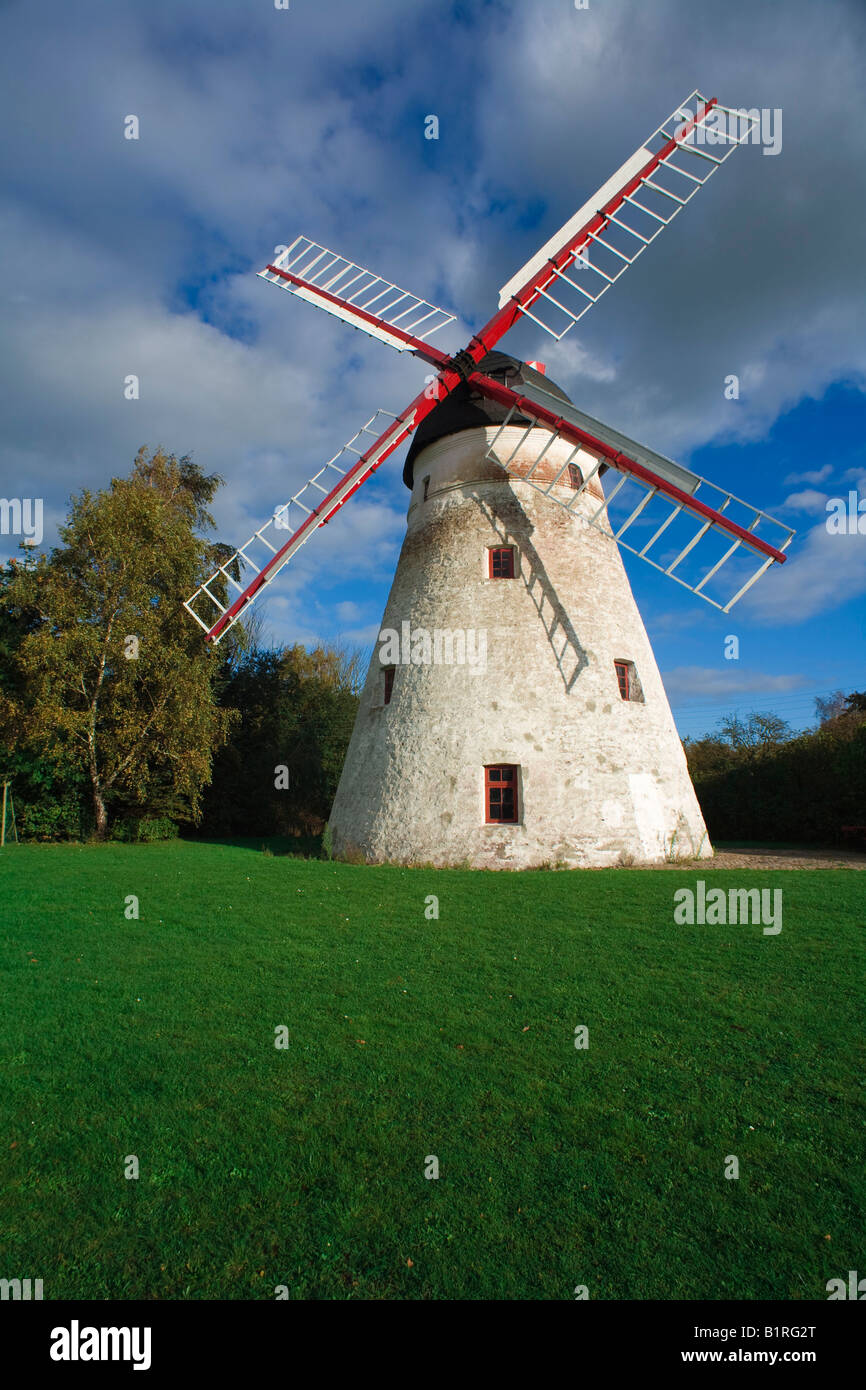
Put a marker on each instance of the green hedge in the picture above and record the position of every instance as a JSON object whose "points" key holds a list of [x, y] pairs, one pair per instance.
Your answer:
{"points": [[803, 791], [133, 831]]}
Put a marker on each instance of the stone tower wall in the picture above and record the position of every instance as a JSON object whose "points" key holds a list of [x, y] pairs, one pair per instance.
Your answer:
{"points": [[602, 780]]}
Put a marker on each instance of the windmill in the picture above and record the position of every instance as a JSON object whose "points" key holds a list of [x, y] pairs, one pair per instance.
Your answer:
{"points": [[555, 743]]}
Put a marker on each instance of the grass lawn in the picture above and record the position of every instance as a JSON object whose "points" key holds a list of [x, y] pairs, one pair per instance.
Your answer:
{"points": [[411, 1037]]}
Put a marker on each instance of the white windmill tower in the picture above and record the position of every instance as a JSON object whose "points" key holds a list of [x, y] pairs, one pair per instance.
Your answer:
{"points": [[513, 713]]}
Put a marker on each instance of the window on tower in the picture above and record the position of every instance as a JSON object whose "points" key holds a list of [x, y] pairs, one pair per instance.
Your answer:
{"points": [[502, 562], [426, 487], [629, 685], [389, 684], [500, 794], [575, 477]]}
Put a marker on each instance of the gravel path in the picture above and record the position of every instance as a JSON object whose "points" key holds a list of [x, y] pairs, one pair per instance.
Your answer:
{"points": [[763, 857]]}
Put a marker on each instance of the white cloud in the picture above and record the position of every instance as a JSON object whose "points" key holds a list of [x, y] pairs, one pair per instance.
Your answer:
{"points": [[568, 359], [817, 475], [807, 501], [821, 572], [348, 611], [697, 682]]}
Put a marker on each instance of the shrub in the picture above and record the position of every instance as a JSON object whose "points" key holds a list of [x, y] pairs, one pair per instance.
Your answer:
{"points": [[47, 820], [802, 791], [144, 830], [156, 828]]}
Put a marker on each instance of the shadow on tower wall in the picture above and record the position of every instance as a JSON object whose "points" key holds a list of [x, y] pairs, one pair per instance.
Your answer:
{"points": [[513, 527]]}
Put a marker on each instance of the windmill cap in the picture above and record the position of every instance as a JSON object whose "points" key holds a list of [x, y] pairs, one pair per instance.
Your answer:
{"points": [[466, 409]]}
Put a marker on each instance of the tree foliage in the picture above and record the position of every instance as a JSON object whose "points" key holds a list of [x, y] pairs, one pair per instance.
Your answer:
{"points": [[759, 781], [756, 734], [279, 771], [109, 682], [830, 706]]}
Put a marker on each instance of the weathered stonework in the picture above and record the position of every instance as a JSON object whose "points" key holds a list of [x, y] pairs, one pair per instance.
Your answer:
{"points": [[602, 780]]}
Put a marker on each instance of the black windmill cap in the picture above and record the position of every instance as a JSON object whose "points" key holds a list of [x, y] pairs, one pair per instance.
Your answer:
{"points": [[466, 409]]}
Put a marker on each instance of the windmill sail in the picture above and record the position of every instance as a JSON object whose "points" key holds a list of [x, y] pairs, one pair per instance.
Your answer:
{"points": [[653, 508], [259, 560], [597, 245], [357, 296]]}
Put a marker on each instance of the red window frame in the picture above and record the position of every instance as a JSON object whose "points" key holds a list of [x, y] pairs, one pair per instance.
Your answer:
{"points": [[501, 563], [623, 675], [389, 684], [500, 794]]}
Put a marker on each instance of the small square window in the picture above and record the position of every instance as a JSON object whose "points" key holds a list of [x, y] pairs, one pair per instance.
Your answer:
{"points": [[389, 684], [500, 794], [629, 685], [502, 562]]}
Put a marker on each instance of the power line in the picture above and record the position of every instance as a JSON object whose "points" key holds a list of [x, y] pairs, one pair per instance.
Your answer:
{"points": [[793, 707], [741, 698]]}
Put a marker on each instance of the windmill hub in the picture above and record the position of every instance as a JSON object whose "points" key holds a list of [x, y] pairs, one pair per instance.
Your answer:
{"points": [[466, 407]]}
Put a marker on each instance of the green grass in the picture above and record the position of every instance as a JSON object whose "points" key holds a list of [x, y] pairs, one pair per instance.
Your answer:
{"points": [[409, 1037]]}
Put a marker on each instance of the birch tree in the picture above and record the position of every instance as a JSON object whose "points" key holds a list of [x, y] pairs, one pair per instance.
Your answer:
{"points": [[114, 677]]}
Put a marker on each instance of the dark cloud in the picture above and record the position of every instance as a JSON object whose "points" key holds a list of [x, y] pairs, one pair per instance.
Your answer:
{"points": [[137, 256]]}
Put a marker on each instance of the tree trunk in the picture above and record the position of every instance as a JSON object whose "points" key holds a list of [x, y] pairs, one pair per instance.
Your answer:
{"points": [[99, 810], [96, 787]]}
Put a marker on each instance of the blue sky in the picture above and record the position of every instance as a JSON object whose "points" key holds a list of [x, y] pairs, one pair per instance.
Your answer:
{"points": [[257, 125]]}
